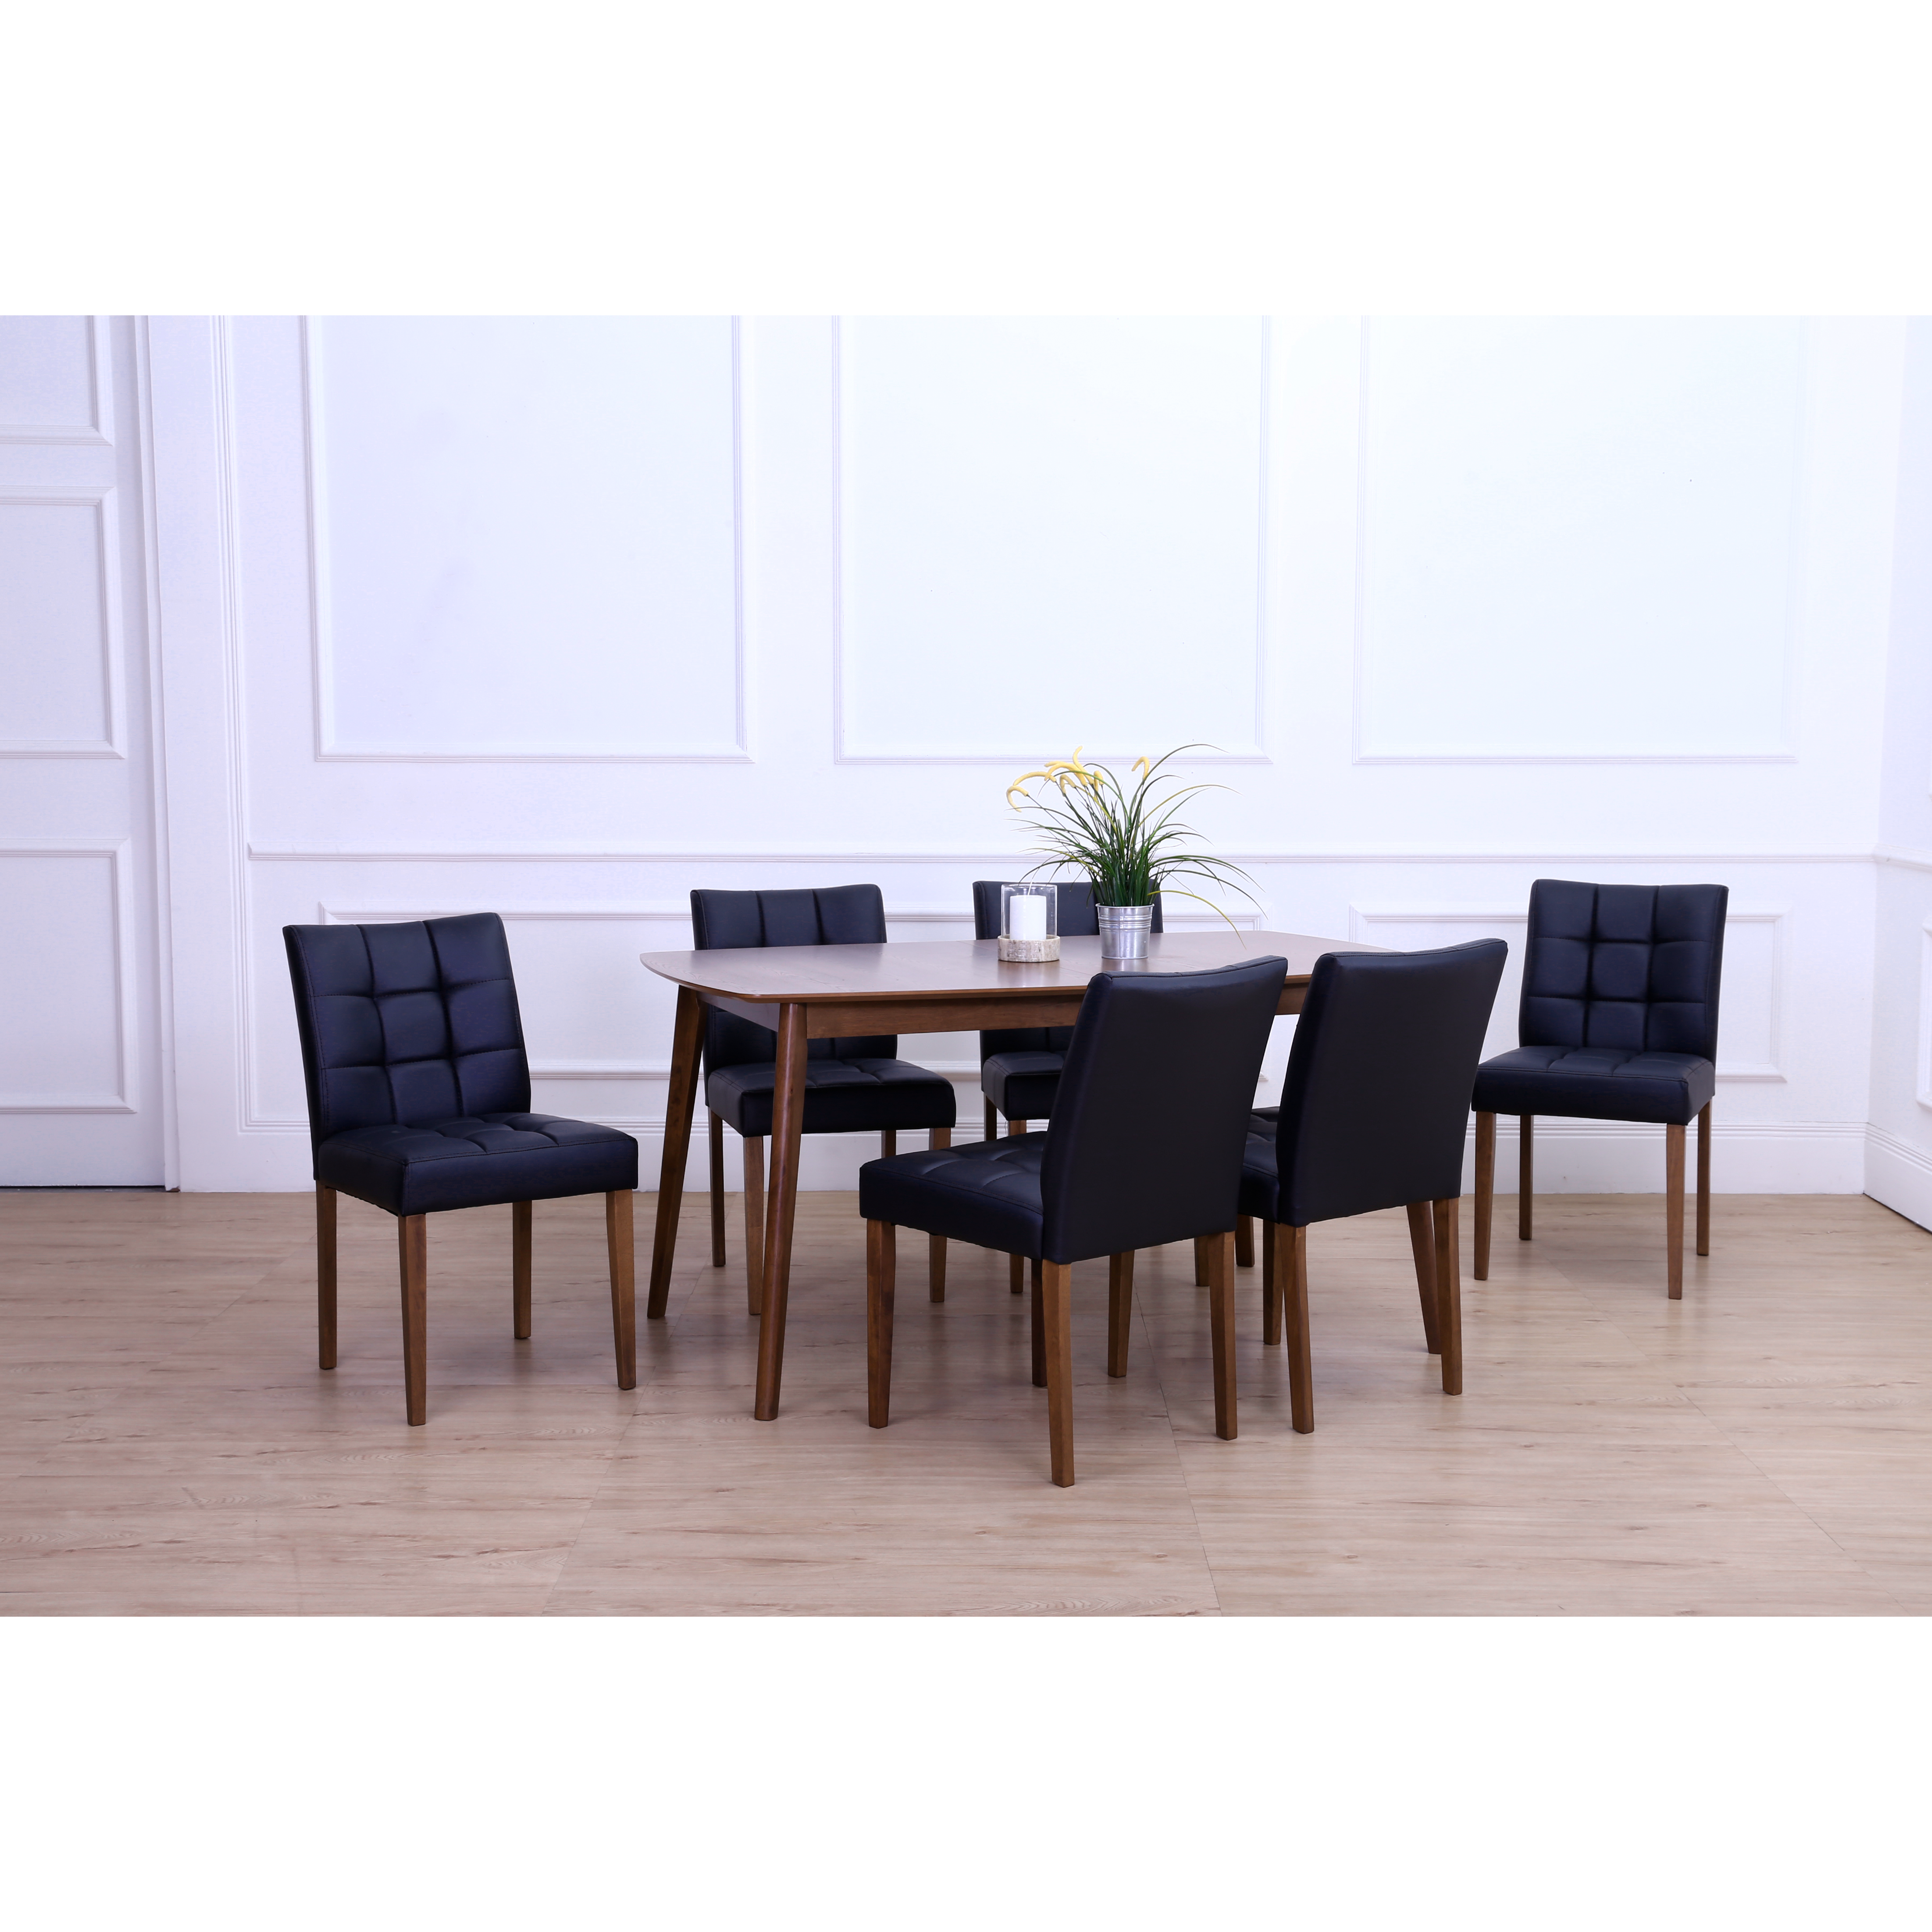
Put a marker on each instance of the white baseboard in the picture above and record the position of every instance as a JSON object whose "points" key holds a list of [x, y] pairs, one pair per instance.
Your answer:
{"points": [[1899, 1175]]}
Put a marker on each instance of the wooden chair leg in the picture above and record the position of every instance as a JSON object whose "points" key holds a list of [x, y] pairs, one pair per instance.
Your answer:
{"points": [[623, 1246], [717, 1189], [1221, 1329], [1704, 1180], [880, 1256], [755, 1226], [1120, 1310], [1422, 1244], [1055, 1301], [1449, 1293], [889, 1143], [1200, 1261], [1486, 1189], [1016, 1263], [325, 1275], [1039, 1330], [991, 1132], [520, 1270], [1244, 1241], [1270, 1288], [935, 1250], [1525, 1165], [1673, 1212], [412, 1245], [1291, 1273]]}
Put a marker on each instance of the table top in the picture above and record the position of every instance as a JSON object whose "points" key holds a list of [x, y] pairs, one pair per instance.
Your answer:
{"points": [[907, 970]]}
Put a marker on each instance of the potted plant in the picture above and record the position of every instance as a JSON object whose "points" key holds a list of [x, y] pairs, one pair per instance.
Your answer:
{"points": [[1128, 843]]}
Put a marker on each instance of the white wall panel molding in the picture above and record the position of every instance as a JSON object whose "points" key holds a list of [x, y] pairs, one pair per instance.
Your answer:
{"points": [[1095, 621], [60, 623], [56, 380], [1923, 1066], [722, 740], [605, 852], [1509, 526], [1902, 855], [53, 1032]]}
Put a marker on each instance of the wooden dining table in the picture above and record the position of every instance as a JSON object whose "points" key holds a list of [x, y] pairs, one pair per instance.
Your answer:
{"points": [[804, 993]]}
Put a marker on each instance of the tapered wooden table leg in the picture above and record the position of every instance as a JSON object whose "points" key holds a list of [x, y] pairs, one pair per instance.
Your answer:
{"points": [[1270, 1287], [1244, 1241], [1291, 1274], [880, 1257], [1486, 1189], [788, 1118], [1221, 1331], [754, 1225], [1200, 1261], [1056, 1296], [1704, 1179], [325, 1275], [1525, 1173], [717, 1188], [935, 1246], [623, 1246], [1120, 1310], [687, 1035], [1422, 1245], [520, 1270], [1449, 1293], [1673, 1212], [413, 1248]]}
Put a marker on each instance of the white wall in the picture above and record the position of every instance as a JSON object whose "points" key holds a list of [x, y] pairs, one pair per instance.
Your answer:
{"points": [[563, 619], [84, 1085], [1899, 1149]]}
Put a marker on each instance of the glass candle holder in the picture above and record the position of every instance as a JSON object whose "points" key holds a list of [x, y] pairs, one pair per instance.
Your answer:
{"points": [[1029, 922]]}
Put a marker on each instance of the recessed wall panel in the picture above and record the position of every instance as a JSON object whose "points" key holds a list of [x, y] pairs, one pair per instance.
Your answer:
{"points": [[1577, 537], [47, 379], [1051, 535], [526, 538], [54, 667], [61, 1015]]}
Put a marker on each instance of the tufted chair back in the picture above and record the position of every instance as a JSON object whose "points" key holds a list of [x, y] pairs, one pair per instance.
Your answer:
{"points": [[1630, 967], [827, 915], [408, 1023], [1077, 920], [1121, 1173]]}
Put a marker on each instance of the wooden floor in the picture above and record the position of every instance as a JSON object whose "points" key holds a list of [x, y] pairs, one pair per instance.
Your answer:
{"points": [[167, 1445]]}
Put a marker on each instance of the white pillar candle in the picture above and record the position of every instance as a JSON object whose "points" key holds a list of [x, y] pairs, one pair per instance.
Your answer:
{"points": [[1028, 913]]}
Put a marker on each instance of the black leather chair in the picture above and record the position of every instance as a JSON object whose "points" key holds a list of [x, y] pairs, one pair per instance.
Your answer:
{"points": [[1619, 1022], [1019, 1067], [851, 1086], [1112, 1175], [419, 1101], [1373, 1115]]}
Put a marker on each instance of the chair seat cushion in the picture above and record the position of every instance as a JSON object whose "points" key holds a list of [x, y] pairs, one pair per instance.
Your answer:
{"points": [[1261, 1173], [842, 1096], [1596, 1083], [987, 1192], [1022, 1084], [480, 1160], [1265, 1121]]}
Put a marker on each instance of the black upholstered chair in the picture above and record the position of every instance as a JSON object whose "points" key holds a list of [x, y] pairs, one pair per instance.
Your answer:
{"points": [[1619, 1022], [1019, 1067], [1374, 1113], [419, 1101], [851, 1086], [1113, 1173]]}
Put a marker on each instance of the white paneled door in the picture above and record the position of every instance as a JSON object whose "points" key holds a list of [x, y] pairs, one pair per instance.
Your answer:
{"points": [[82, 1085]]}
